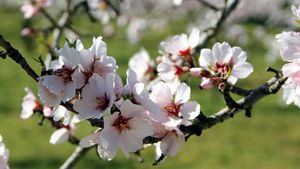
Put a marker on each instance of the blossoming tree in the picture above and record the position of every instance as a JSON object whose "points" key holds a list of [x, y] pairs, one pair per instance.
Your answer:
{"points": [[153, 106]]}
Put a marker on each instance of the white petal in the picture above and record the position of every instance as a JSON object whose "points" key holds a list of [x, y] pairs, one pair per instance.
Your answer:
{"points": [[242, 70], [90, 140], [59, 136], [194, 37], [190, 110], [183, 93]]}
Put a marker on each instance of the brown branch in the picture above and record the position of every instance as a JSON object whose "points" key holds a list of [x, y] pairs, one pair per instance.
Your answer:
{"points": [[74, 158], [17, 57], [209, 5], [230, 6]]}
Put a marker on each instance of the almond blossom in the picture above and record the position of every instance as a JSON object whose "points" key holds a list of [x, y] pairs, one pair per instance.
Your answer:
{"points": [[142, 65], [31, 104], [175, 106], [123, 130], [296, 13], [135, 91], [289, 45], [220, 64], [4, 154], [291, 88], [32, 7], [61, 135], [182, 45], [66, 78], [98, 97], [170, 71]]}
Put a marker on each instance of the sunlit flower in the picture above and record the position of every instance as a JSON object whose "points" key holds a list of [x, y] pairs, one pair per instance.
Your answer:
{"points": [[170, 71], [175, 106], [296, 13], [31, 104], [289, 42], [220, 64], [182, 45], [98, 97], [142, 65], [61, 135]]}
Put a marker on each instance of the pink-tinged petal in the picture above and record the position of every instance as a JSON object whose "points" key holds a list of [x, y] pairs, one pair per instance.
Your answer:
{"points": [[183, 93], [194, 37], [155, 112], [190, 110], [48, 97], [171, 143], [221, 52], [86, 59], [28, 105], [289, 94], [86, 109], [59, 136], [129, 142], [161, 94], [105, 65], [207, 83], [206, 59], [172, 123], [98, 47], [164, 67], [242, 70], [53, 83], [232, 79], [140, 127], [110, 138], [196, 71], [90, 140], [69, 92], [130, 110], [158, 129], [70, 56], [238, 55], [78, 78], [289, 42], [292, 69], [106, 154], [47, 111], [109, 120]]}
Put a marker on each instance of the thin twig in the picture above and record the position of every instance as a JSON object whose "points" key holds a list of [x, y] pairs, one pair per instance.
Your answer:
{"points": [[74, 158]]}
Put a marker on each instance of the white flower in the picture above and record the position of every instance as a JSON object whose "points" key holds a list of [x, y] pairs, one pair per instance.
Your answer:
{"points": [[142, 65], [98, 97], [31, 104], [222, 63], [175, 106], [100, 10], [61, 113], [177, 2], [4, 154], [125, 130], [296, 13], [291, 88], [182, 45], [61, 135], [289, 42], [138, 95], [170, 71], [65, 80]]}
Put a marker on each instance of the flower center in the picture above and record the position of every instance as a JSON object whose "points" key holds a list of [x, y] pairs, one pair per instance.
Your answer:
{"points": [[173, 109], [222, 70], [65, 73], [185, 53], [102, 103], [121, 123]]}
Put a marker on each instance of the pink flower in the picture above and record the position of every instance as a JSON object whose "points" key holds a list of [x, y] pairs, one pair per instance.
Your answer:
{"points": [[135, 91], [175, 106], [98, 97], [125, 130], [289, 42], [170, 71], [291, 89], [4, 154], [220, 64], [61, 135], [66, 78], [32, 7], [31, 104], [142, 65], [182, 45]]}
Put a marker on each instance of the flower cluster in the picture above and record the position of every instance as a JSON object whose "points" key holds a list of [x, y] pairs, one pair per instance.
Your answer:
{"points": [[289, 50], [222, 64], [4, 154]]}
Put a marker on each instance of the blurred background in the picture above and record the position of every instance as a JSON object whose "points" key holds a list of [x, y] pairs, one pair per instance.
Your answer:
{"points": [[268, 140]]}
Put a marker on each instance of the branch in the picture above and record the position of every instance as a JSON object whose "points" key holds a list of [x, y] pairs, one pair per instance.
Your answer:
{"points": [[230, 6], [74, 158], [204, 2], [17, 57]]}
